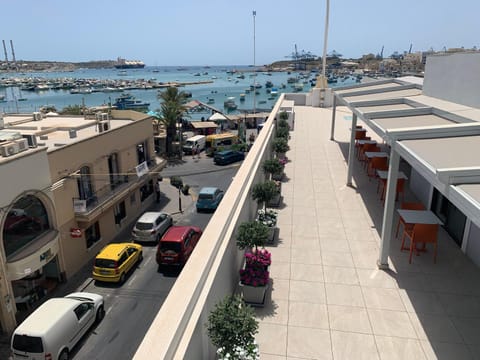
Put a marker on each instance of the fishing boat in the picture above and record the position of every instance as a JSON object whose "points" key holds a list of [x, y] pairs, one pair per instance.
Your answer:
{"points": [[211, 101], [128, 102], [274, 91], [230, 104], [242, 97], [129, 64]]}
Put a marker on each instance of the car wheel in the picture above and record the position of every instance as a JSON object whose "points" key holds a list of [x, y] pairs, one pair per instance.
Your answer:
{"points": [[140, 257], [100, 314], [122, 278], [63, 355]]}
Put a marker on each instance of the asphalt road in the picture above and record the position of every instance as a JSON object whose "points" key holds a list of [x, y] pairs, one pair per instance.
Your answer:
{"points": [[131, 308]]}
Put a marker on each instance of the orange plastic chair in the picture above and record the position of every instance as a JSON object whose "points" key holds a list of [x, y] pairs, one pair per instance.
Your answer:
{"points": [[365, 148], [400, 191], [376, 163], [359, 146], [408, 206], [421, 234]]}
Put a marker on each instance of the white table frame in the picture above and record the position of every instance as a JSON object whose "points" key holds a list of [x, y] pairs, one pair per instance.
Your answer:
{"points": [[419, 217]]}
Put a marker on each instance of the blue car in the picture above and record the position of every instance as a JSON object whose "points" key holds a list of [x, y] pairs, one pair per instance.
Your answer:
{"points": [[209, 198], [227, 157]]}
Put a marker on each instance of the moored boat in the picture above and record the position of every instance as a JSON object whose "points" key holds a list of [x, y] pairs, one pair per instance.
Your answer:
{"points": [[128, 102]]}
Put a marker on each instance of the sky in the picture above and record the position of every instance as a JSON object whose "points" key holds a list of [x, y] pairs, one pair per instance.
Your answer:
{"points": [[221, 32]]}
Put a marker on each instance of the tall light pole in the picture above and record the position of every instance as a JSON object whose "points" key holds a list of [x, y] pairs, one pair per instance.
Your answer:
{"points": [[322, 80], [254, 70]]}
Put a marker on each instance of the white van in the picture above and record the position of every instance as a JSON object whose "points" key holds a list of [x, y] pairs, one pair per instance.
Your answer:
{"points": [[53, 329], [193, 142]]}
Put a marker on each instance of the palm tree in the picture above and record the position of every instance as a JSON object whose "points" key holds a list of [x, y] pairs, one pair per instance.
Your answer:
{"points": [[172, 110]]}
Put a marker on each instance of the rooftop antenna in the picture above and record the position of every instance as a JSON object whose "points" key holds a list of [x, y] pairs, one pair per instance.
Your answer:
{"points": [[5, 51]]}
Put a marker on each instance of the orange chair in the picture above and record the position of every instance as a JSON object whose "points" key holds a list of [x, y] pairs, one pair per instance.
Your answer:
{"points": [[400, 190], [359, 146], [377, 163], [408, 206], [365, 148], [421, 234]]}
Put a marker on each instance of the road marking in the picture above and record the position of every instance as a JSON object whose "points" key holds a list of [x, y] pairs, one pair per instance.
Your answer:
{"points": [[146, 261], [131, 280], [109, 309]]}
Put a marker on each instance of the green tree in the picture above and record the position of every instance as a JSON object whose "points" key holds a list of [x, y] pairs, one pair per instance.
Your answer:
{"points": [[172, 110]]}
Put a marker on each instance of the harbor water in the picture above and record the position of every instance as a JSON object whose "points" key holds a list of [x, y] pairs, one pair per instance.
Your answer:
{"points": [[223, 82]]}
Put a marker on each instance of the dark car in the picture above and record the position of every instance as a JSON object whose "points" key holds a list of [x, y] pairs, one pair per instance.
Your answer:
{"points": [[227, 157], [177, 245]]}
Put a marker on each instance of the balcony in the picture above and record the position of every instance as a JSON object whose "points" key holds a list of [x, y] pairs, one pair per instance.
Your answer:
{"points": [[109, 194], [328, 298]]}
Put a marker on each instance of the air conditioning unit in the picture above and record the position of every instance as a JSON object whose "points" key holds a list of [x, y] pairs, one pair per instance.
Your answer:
{"points": [[103, 126], [72, 133], [22, 144], [37, 116], [101, 116], [9, 149], [31, 139]]}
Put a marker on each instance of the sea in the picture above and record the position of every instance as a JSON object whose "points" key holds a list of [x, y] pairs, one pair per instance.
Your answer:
{"points": [[226, 81]]}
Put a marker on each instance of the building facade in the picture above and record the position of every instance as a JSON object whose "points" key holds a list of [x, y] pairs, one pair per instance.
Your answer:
{"points": [[75, 184]]}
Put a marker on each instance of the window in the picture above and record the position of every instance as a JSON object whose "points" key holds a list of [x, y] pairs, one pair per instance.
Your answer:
{"points": [[81, 310], [142, 152], [114, 171], [85, 189], [25, 222], [132, 199], [29, 344], [122, 259], [119, 212], [92, 234]]}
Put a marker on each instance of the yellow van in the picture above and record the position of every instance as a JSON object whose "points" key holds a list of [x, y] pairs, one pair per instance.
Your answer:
{"points": [[220, 142], [115, 260]]}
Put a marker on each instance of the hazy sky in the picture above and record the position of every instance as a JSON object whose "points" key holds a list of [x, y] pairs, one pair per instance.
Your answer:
{"points": [[209, 32]]}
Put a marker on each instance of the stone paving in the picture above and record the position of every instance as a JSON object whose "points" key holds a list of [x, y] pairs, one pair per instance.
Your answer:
{"points": [[328, 299]]}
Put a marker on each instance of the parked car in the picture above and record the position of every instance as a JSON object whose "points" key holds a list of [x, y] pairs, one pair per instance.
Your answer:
{"points": [[209, 198], [115, 260], [151, 226], [227, 157], [177, 245], [53, 329]]}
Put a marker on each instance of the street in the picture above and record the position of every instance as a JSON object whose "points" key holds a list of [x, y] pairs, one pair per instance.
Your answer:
{"points": [[131, 307]]}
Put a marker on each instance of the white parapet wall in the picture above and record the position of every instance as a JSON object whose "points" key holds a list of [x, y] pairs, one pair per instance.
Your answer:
{"points": [[178, 331]]}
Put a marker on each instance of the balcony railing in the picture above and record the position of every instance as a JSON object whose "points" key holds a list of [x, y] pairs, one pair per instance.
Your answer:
{"points": [[111, 190]]}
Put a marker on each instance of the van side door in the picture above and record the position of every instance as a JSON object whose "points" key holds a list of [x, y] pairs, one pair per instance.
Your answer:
{"points": [[85, 316]]}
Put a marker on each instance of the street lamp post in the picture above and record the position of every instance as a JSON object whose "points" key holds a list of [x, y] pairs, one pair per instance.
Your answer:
{"points": [[254, 69], [180, 199]]}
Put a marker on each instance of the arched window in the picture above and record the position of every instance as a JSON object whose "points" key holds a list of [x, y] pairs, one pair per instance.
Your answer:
{"points": [[25, 222]]}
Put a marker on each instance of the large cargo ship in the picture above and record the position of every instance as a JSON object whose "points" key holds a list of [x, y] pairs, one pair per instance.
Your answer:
{"points": [[129, 64]]}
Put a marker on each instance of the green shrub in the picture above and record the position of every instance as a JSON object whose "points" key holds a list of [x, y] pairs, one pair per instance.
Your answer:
{"points": [[176, 181], [280, 145]]}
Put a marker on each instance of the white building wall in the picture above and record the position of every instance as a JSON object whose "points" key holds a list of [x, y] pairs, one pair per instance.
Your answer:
{"points": [[454, 77], [420, 187], [473, 244]]}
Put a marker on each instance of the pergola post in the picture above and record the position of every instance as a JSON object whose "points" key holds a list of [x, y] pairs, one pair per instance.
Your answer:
{"points": [[391, 194], [351, 150], [334, 110]]}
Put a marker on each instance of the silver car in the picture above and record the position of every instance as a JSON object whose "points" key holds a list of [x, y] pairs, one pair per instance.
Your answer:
{"points": [[151, 226]]}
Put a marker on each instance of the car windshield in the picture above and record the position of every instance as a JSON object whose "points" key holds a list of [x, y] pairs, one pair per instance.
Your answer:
{"points": [[205, 196], [105, 263], [144, 226], [29, 344], [170, 246]]}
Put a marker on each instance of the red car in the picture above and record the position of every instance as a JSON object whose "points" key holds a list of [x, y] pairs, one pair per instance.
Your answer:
{"points": [[177, 244]]}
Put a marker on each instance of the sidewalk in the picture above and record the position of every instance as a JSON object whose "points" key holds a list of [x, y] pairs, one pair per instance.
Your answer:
{"points": [[80, 280]]}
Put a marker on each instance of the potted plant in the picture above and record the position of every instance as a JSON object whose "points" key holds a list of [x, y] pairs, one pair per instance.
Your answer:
{"points": [[280, 146], [282, 132], [267, 193], [254, 276], [232, 327], [274, 168]]}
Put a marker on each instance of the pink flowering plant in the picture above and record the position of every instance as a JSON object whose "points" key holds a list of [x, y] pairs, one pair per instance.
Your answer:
{"points": [[251, 237], [256, 272]]}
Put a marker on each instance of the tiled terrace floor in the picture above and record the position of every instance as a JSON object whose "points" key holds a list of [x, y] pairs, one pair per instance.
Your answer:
{"points": [[328, 299]]}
